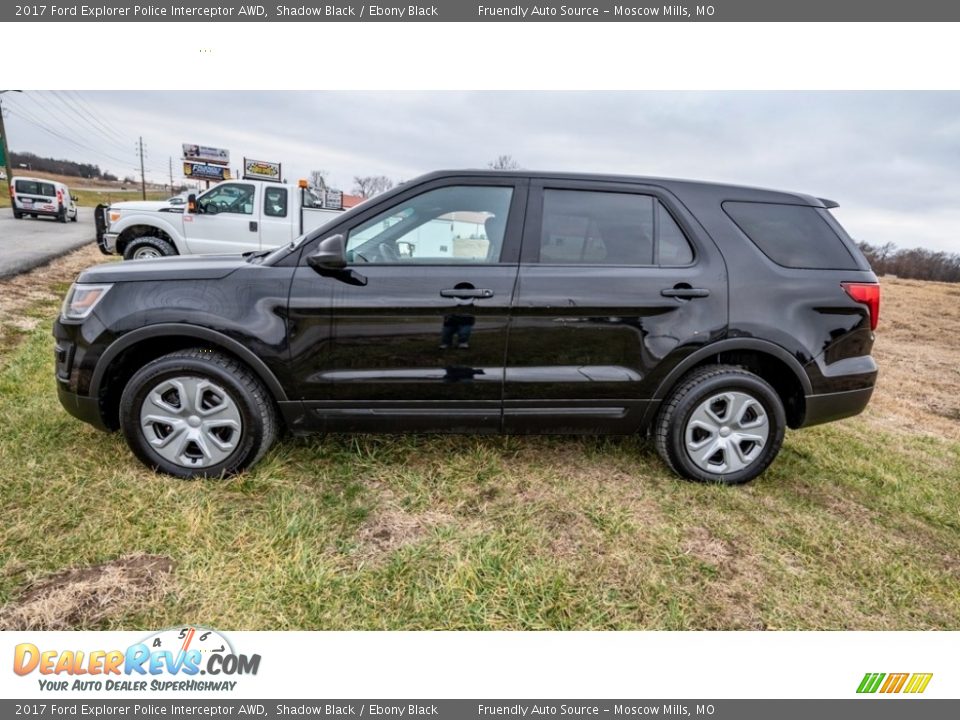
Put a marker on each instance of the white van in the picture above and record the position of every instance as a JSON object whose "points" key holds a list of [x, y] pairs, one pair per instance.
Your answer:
{"points": [[39, 196]]}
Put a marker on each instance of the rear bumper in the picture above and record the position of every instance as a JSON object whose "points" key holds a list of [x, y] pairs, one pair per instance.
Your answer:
{"points": [[835, 406]]}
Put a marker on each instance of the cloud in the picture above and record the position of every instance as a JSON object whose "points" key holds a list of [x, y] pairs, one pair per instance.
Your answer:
{"points": [[892, 159]]}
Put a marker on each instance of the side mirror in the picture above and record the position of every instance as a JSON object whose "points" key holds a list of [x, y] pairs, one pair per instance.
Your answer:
{"points": [[192, 203], [331, 254]]}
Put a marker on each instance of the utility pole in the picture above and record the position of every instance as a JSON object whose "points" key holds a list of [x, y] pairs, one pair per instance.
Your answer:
{"points": [[5, 146], [171, 176], [143, 179]]}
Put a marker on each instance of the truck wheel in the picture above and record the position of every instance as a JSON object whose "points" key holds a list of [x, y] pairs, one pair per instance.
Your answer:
{"points": [[197, 413], [73, 218], [146, 248], [721, 424], [17, 215]]}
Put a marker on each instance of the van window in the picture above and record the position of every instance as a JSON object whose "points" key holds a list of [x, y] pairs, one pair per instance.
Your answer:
{"points": [[795, 236], [33, 187]]}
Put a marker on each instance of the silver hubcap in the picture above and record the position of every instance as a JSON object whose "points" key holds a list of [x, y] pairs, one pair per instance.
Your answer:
{"points": [[191, 421], [146, 253], [727, 432]]}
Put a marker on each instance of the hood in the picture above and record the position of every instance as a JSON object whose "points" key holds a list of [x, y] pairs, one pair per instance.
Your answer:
{"points": [[142, 205], [179, 267]]}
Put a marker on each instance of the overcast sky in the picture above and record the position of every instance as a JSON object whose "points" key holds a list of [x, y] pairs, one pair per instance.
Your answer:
{"points": [[891, 159]]}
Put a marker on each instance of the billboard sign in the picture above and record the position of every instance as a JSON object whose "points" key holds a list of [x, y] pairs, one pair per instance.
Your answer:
{"points": [[205, 154], [203, 171], [260, 170]]}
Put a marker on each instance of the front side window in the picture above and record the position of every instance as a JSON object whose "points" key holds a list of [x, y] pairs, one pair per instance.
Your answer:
{"points": [[451, 225], [230, 198], [275, 202], [609, 228]]}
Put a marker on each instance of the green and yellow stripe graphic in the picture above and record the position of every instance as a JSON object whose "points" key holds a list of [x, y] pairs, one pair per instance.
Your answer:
{"points": [[894, 682]]}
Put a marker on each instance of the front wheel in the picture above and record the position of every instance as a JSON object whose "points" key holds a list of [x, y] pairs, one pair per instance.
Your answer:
{"points": [[148, 248], [197, 413], [722, 424]]}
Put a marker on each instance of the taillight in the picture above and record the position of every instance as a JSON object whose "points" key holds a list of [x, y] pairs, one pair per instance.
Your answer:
{"points": [[869, 295]]}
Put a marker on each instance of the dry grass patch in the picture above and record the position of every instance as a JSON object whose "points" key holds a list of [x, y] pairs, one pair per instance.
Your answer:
{"points": [[918, 390], [388, 530], [85, 597], [26, 299]]}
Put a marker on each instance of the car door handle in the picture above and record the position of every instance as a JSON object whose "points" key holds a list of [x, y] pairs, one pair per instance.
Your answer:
{"points": [[253, 226], [466, 293], [685, 292]]}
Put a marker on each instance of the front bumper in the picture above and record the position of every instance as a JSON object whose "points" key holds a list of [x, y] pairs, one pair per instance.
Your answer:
{"points": [[81, 407], [108, 243]]}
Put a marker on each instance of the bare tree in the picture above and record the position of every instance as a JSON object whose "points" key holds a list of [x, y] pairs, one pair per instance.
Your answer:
{"points": [[914, 263], [318, 179], [504, 162], [370, 185]]}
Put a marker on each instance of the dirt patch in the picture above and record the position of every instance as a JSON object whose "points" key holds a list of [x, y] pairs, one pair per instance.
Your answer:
{"points": [[84, 597], [732, 592], [701, 544], [388, 530]]}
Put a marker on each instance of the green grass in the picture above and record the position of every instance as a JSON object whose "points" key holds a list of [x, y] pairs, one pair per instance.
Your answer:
{"points": [[91, 198], [851, 528]]}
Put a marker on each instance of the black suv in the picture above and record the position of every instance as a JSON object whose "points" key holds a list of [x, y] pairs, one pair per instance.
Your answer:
{"points": [[710, 317]]}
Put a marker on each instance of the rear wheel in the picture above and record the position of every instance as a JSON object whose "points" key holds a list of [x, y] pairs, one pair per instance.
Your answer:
{"points": [[197, 413], [147, 248], [721, 424]]}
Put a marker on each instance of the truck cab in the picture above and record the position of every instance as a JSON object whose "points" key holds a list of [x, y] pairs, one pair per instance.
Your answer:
{"points": [[234, 216]]}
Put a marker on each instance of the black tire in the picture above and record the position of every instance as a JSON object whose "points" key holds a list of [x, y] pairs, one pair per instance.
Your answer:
{"points": [[74, 218], [670, 431], [147, 244], [17, 215], [258, 415]]}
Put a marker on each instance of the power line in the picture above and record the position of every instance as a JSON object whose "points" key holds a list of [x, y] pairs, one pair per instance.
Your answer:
{"points": [[94, 112], [95, 124], [48, 107], [30, 118]]}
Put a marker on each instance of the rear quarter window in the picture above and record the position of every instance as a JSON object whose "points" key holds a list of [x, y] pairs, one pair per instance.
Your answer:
{"points": [[795, 236]]}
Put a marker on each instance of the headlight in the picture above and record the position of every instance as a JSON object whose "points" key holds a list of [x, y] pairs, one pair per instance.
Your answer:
{"points": [[112, 216], [81, 300]]}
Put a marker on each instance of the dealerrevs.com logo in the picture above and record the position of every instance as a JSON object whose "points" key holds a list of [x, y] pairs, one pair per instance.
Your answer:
{"points": [[180, 659]]}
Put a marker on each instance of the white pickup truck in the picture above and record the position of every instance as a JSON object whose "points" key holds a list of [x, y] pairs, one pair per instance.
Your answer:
{"points": [[235, 216]]}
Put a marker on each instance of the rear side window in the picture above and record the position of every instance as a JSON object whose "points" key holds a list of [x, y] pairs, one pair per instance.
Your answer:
{"points": [[609, 228], [275, 202], [795, 236]]}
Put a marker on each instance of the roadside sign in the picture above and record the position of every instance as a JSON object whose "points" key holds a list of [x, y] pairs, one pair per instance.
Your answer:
{"points": [[261, 170], [203, 171], [333, 200], [205, 154]]}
